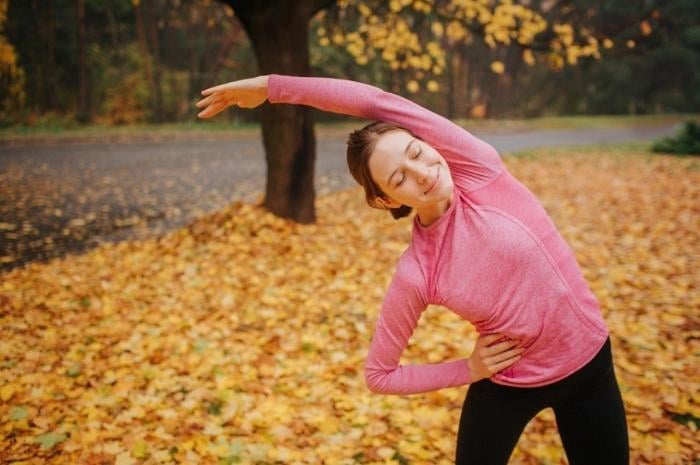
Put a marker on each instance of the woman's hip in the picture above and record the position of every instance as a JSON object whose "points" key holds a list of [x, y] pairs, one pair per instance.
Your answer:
{"points": [[599, 368]]}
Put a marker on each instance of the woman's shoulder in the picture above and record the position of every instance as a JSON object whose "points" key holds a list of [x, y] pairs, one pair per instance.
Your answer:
{"points": [[408, 267]]}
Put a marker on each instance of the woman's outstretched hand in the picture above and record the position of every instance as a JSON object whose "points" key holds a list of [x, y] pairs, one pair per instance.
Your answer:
{"points": [[246, 93], [489, 359]]}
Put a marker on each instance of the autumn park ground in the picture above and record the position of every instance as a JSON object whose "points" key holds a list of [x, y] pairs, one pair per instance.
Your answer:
{"points": [[240, 338]]}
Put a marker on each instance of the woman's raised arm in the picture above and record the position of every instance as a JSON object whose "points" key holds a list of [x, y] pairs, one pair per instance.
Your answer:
{"points": [[473, 162]]}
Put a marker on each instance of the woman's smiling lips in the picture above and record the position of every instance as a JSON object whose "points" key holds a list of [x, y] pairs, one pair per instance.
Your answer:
{"points": [[437, 179]]}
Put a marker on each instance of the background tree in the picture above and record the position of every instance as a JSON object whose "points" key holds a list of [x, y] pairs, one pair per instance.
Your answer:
{"points": [[278, 31], [135, 70], [114, 62], [404, 33], [11, 75]]}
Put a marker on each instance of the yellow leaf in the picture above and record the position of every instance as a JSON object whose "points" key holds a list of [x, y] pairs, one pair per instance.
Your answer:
{"points": [[7, 391], [386, 452], [140, 450], [497, 67], [125, 458]]}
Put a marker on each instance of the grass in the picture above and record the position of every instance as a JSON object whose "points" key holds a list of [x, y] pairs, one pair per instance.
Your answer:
{"points": [[59, 129], [618, 148], [576, 122]]}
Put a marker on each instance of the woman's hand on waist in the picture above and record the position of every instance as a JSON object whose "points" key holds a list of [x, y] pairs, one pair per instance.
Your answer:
{"points": [[490, 357]]}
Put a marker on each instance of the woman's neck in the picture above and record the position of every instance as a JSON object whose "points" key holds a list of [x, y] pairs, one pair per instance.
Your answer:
{"points": [[430, 215]]}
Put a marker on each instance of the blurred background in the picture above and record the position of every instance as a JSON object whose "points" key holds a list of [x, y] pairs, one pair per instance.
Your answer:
{"points": [[115, 62]]}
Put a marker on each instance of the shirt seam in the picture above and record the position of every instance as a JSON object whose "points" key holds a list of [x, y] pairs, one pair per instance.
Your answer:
{"points": [[433, 293], [425, 296], [487, 183], [569, 294]]}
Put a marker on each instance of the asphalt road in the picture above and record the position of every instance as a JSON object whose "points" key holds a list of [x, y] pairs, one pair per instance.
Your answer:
{"points": [[70, 197]]}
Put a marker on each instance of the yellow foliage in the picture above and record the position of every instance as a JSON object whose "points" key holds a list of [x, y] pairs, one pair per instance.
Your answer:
{"points": [[455, 30], [528, 57], [497, 67], [478, 111], [433, 86], [437, 28], [364, 10], [338, 39]]}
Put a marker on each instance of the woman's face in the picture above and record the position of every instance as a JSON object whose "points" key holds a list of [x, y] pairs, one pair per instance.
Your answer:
{"points": [[407, 169]]}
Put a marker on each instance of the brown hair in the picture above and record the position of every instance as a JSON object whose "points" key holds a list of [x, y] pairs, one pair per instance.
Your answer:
{"points": [[360, 145]]}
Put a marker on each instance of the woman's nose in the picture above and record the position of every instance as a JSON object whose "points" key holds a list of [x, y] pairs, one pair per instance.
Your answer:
{"points": [[422, 174], [425, 176]]}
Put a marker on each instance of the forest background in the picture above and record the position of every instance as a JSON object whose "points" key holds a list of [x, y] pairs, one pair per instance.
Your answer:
{"points": [[112, 62]]}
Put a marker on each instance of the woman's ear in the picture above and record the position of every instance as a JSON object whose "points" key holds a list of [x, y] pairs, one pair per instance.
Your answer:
{"points": [[388, 203]]}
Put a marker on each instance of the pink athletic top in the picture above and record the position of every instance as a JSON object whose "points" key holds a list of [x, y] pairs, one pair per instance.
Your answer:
{"points": [[494, 257]]}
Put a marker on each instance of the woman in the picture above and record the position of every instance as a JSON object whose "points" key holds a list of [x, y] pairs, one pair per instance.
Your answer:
{"points": [[483, 246]]}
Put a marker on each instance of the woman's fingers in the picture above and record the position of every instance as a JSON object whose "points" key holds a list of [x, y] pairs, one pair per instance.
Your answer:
{"points": [[500, 347], [490, 338], [233, 85], [207, 100], [504, 355], [212, 110], [504, 364], [211, 90]]}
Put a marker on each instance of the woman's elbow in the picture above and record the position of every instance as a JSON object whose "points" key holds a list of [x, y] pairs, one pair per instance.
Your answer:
{"points": [[376, 381]]}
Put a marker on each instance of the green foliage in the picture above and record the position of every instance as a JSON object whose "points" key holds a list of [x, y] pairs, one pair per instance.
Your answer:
{"points": [[660, 72], [201, 43], [687, 142], [121, 87], [48, 440]]}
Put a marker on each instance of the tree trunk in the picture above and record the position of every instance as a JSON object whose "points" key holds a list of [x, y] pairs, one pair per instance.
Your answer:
{"points": [[232, 39], [453, 73], [51, 52], [143, 43], [153, 27], [82, 113], [278, 31]]}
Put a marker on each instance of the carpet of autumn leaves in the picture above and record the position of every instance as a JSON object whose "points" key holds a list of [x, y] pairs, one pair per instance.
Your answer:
{"points": [[241, 338]]}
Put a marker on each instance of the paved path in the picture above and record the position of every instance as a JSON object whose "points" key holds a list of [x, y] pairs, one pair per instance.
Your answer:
{"points": [[67, 198]]}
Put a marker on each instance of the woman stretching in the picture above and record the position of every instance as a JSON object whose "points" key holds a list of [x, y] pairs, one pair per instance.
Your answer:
{"points": [[483, 246]]}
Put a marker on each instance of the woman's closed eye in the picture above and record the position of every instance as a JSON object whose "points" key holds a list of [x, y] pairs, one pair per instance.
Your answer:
{"points": [[420, 149]]}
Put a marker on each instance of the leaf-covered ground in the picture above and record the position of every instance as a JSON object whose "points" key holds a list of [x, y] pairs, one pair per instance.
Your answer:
{"points": [[241, 338]]}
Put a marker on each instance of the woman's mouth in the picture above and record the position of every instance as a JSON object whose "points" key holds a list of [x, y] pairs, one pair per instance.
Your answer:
{"points": [[437, 180]]}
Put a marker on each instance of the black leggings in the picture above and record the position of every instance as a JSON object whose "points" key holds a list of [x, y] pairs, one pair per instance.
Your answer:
{"points": [[587, 406]]}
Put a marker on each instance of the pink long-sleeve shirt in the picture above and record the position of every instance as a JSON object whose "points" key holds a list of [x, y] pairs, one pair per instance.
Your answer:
{"points": [[494, 256]]}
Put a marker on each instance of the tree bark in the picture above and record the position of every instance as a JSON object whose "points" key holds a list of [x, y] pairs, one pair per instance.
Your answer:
{"points": [[278, 31], [82, 107], [225, 49], [153, 27], [51, 55], [143, 42]]}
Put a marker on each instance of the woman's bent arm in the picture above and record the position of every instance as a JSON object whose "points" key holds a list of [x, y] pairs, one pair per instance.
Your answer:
{"points": [[401, 309]]}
